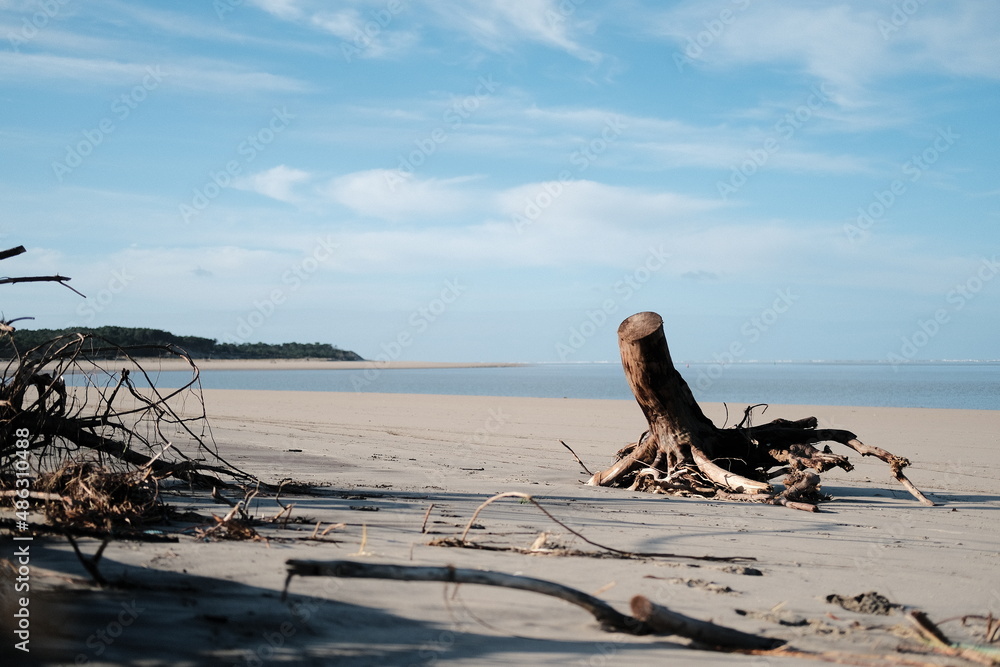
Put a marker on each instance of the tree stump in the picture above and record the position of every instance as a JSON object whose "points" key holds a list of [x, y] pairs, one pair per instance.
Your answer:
{"points": [[684, 453]]}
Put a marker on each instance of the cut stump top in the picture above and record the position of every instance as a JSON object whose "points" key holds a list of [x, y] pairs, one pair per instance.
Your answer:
{"points": [[639, 326]]}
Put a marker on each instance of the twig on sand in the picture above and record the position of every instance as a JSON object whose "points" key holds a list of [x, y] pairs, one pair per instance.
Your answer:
{"points": [[91, 563], [582, 465], [462, 542], [427, 515]]}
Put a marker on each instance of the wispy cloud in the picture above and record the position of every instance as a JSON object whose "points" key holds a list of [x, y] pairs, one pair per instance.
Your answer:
{"points": [[849, 45], [277, 183], [500, 25], [201, 75], [285, 9], [362, 37], [496, 25], [388, 194]]}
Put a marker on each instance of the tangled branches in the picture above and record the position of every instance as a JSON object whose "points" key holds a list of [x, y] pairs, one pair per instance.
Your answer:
{"points": [[77, 413]]}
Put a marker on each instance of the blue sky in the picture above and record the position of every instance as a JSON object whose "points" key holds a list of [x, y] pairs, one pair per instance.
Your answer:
{"points": [[507, 181]]}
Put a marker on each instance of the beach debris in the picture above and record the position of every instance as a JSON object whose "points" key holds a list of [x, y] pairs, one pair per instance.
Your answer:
{"points": [[87, 497], [100, 448], [865, 603], [235, 525], [666, 622], [648, 618], [19, 250], [939, 643], [463, 541], [683, 453], [708, 586], [651, 619]]}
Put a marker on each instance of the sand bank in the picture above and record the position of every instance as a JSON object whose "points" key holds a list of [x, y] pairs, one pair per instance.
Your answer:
{"points": [[172, 364], [384, 459]]}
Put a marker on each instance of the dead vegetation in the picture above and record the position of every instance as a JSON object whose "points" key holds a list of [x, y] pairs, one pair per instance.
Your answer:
{"points": [[88, 437], [684, 454], [101, 443]]}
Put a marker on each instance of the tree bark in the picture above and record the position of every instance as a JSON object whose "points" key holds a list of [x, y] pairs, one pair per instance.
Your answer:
{"points": [[684, 453]]}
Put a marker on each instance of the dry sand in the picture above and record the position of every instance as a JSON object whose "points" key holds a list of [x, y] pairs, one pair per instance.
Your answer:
{"points": [[383, 459]]}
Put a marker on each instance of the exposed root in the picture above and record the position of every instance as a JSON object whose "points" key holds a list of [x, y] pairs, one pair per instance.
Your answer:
{"points": [[684, 453]]}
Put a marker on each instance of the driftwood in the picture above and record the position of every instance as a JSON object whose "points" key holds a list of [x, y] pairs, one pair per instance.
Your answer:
{"points": [[654, 620], [14, 252], [112, 417], [666, 622], [647, 617], [684, 453], [95, 453]]}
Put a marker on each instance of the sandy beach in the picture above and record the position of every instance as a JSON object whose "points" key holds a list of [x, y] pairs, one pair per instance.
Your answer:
{"points": [[400, 470]]}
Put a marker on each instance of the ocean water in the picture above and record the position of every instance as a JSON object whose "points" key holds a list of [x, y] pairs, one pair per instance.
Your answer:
{"points": [[916, 385]]}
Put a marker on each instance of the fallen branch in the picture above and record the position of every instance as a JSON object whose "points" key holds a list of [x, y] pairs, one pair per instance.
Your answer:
{"points": [[462, 542], [667, 622], [609, 618], [664, 620], [40, 279]]}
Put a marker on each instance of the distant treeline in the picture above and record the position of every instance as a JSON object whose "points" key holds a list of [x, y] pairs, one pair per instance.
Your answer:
{"points": [[195, 346]]}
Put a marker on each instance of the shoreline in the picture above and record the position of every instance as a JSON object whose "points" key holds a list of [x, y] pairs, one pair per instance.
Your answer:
{"points": [[307, 364]]}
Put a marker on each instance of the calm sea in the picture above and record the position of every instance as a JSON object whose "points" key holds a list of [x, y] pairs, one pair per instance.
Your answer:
{"points": [[917, 385]]}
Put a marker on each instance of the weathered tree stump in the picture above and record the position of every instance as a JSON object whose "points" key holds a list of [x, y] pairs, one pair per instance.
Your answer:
{"points": [[684, 453]]}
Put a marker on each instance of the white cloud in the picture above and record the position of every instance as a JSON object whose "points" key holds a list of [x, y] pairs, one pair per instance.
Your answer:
{"points": [[276, 183], [961, 39], [849, 45], [392, 195], [345, 24], [588, 206], [364, 37], [284, 9], [200, 75], [499, 24]]}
